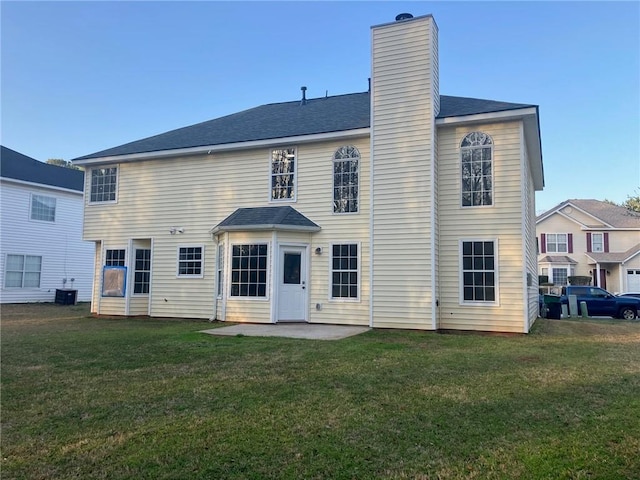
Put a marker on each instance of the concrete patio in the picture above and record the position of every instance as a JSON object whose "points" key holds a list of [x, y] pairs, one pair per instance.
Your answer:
{"points": [[289, 330]]}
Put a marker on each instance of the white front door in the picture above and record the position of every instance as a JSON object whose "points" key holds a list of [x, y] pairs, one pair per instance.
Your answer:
{"points": [[292, 284]]}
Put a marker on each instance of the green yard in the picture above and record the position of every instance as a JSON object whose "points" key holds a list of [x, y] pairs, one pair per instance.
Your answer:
{"points": [[87, 397]]}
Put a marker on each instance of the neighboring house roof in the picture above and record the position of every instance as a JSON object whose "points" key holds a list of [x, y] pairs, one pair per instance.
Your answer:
{"points": [[614, 257], [290, 119], [604, 212], [266, 218], [16, 166], [558, 259]]}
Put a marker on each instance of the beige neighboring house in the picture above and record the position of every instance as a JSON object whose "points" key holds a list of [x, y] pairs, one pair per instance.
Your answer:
{"points": [[396, 207], [590, 238]]}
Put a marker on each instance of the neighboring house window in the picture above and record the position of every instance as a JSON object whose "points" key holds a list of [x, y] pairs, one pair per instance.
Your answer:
{"points": [[598, 242], [479, 271], [560, 276], [220, 270], [190, 261], [142, 272], [115, 258], [23, 271], [344, 271], [476, 151], [346, 163], [43, 208], [249, 270], [103, 184], [557, 243], [283, 174]]}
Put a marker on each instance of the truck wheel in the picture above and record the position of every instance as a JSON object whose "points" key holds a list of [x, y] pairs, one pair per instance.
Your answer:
{"points": [[627, 313]]}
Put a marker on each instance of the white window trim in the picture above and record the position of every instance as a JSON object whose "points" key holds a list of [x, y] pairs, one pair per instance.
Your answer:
{"points": [[333, 160], [133, 273], [593, 236], [22, 287], [295, 179], [201, 246], [126, 256], [546, 242], [493, 176], [90, 174], [330, 286], [39, 220], [496, 274], [220, 270], [228, 273]]}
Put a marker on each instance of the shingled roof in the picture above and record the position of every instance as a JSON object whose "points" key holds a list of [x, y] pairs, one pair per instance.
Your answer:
{"points": [[16, 166], [266, 218], [607, 213], [279, 120]]}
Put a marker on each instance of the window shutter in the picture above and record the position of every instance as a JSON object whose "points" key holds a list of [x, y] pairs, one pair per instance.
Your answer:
{"points": [[588, 242], [570, 242], [543, 243], [606, 241]]}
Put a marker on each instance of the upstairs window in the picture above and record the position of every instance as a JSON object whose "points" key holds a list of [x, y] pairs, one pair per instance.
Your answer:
{"points": [[283, 174], [557, 243], [346, 163], [476, 151], [103, 184], [597, 242], [43, 208]]}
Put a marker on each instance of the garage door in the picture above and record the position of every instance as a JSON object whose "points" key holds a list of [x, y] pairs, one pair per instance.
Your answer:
{"points": [[633, 280]]}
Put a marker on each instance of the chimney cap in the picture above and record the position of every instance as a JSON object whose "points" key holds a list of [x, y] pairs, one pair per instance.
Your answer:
{"points": [[403, 16]]}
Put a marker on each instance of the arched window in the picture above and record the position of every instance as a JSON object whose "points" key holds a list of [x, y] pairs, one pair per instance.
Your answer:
{"points": [[346, 165], [476, 152]]}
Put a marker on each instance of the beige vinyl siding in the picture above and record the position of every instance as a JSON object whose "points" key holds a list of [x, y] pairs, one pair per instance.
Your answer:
{"points": [[198, 192], [502, 221], [529, 241], [402, 140], [97, 278]]}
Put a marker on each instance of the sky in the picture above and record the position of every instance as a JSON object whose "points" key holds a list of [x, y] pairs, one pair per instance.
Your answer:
{"points": [[80, 77]]}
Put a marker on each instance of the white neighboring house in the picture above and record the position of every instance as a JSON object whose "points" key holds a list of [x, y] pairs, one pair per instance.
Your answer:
{"points": [[41, 246]]}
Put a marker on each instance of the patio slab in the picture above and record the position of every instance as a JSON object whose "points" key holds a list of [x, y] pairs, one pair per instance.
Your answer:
{"points": [[289, 330]]}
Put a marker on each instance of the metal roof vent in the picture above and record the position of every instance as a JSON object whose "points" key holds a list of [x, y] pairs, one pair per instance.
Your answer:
{"points": [[403, 16], [304, 96]]}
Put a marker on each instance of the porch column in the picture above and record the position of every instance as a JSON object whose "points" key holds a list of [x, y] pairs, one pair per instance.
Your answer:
{"points": [[597, 274]]}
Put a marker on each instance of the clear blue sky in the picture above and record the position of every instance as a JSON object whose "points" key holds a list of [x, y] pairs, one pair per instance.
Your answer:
{"points": [[79, 77]]}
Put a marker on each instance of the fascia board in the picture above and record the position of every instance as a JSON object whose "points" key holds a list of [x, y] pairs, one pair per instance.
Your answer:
{"points": [[227, 147], [42, 185], [262, 228]]}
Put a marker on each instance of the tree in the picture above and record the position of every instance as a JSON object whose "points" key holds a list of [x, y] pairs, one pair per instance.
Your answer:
{"points": [[632, 202], [62, 163]]}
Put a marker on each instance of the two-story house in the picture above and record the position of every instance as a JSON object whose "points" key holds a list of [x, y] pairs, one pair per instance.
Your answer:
{"points": [[396, 207], [590, 238], [41, 247]]}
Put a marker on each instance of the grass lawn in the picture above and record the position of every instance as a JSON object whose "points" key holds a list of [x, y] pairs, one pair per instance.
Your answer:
{"points": [[106, 398]]}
